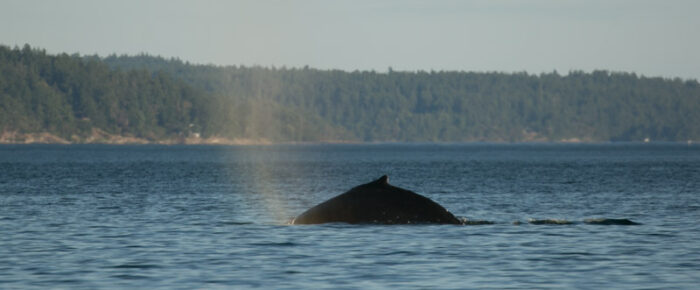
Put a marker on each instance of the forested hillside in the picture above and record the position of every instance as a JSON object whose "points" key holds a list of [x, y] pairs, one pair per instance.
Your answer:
{"points": [[84, 100], [68, 97], [460, 106], [156, 99]]}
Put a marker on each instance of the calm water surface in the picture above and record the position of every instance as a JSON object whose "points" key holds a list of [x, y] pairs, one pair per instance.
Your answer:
{"points": [[182, 217]]}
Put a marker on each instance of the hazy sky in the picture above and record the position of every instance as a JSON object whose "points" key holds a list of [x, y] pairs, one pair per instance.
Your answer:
{"points": [[654, 38]]}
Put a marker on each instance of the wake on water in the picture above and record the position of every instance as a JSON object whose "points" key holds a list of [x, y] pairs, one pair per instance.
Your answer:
{"points": [[595, 221], [592, 221]]}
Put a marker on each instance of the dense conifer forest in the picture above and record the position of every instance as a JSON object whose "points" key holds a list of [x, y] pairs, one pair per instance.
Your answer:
{"points": [[155, 99]]}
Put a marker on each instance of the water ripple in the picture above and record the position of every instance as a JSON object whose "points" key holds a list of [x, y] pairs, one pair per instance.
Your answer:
{"points": [[103, 217]]}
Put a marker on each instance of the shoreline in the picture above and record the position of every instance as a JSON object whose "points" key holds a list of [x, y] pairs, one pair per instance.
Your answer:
{"points": [[100, 137], [49, 139]]}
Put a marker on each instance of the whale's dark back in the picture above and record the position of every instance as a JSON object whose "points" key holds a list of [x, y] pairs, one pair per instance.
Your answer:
{"points": [[377, 202]]}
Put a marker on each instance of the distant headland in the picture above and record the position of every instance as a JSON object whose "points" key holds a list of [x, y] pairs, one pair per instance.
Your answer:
{"points": [[144, 99]]}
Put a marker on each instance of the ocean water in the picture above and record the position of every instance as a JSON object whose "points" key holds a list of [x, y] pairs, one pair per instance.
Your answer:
{"points": [[183, 217]]}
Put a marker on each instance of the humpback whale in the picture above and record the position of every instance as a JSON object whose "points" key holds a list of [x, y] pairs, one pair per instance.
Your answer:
{"points": [[377, 202]]}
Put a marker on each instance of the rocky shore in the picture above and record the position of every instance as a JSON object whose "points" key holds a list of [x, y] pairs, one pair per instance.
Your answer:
{"points": [[100, 137]]}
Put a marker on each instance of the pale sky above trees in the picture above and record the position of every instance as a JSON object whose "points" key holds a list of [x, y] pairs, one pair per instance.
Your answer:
{"points": [[653, 38]]}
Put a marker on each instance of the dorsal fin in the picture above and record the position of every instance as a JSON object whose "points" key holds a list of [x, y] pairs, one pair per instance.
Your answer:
{"points": [[384, 180]]}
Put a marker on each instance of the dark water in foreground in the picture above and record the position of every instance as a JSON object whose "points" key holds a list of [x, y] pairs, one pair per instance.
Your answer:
{"points": [[99, 216]]}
